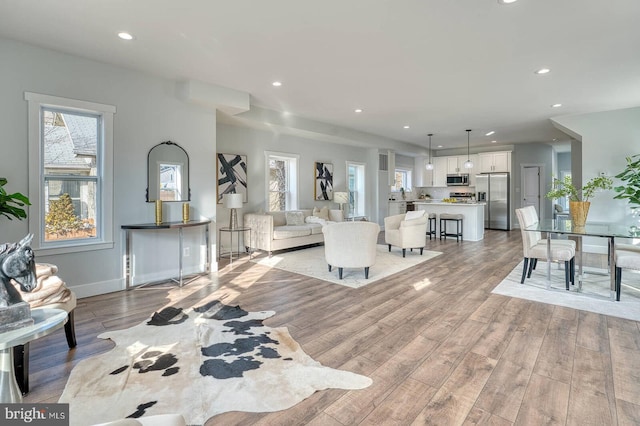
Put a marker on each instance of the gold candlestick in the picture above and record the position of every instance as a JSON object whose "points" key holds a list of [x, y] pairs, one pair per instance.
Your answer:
{"points": [[185, 212], [158, 212]]}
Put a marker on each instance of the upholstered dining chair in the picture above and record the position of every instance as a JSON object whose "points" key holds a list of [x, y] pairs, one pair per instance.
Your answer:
{"points": [[50, 292], [406, 231], [351, 245], [627, 257], [535, 247]]}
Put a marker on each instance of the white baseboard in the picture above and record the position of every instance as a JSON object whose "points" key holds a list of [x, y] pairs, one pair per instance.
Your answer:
{"points": [[101, 287]]}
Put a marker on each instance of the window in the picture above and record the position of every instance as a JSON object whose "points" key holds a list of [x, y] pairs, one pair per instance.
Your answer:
{"points": [[282, 181], [70, 184], [356, 178], [403, 180]]}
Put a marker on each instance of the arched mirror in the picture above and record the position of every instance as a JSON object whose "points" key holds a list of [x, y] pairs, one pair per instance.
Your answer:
{"points": [[168, 173]]}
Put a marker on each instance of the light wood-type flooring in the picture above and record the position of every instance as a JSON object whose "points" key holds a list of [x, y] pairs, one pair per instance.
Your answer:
{"points": [[440, 348]]}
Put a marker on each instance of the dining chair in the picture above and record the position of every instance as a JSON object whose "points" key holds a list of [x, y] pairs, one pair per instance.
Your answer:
{"points": [[534, 247], [627, 256]]}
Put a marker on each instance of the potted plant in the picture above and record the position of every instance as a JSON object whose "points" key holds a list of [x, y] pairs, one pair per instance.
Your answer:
{"points": [[578, 198], [630, 191], [11, 204]]}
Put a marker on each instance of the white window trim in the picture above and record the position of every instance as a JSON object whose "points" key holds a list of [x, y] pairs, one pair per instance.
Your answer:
{"points": [[296, 182], [409, 178], [364, 184], [35, 102]]}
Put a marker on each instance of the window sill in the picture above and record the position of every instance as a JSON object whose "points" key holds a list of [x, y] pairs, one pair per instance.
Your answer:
{"points": [[73, 248]]}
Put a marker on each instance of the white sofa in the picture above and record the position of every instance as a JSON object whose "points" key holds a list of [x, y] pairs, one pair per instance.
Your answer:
{"points": [[270, 232]]}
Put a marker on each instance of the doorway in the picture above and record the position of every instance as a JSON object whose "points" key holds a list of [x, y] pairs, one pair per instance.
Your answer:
{"points": [[531, 187]]}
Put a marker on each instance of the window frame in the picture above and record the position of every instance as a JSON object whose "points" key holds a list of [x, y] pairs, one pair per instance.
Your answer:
{"points": [[408, 179], [104, 199], [358, 195], [294, 169]]}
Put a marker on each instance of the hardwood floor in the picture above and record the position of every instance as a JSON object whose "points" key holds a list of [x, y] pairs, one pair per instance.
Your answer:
{"points": [[440, 348]]}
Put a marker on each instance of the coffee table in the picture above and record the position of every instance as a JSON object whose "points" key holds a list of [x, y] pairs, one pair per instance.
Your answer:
{"points": [[46, 321]]}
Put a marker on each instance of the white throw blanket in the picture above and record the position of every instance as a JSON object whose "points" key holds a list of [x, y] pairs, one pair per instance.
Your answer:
{"points": [[49, 289]]}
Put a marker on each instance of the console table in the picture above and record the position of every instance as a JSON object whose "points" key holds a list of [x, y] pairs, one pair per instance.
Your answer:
{"points": [[167, 225], [45, 321]]}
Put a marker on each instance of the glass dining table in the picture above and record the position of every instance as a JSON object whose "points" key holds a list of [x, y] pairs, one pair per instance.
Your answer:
{"points": [[611, 231]]}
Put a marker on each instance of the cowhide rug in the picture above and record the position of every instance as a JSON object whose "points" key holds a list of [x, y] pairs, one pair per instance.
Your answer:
{"points": [[198, 362]]}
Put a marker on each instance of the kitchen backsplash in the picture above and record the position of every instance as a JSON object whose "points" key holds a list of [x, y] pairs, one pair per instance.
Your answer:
{"points": [[438, 193]]}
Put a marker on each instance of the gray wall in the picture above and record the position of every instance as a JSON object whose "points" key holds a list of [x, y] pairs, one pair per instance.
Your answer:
{"points": [[148, 112], [531, 154]]}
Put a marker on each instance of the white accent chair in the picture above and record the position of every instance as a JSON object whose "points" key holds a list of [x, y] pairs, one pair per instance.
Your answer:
{"points": [[351, 245], [627, 257], [407, 231], [535, 247]]}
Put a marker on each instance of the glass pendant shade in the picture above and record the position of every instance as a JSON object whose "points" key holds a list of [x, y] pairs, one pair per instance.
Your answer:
{"points": [[468, 164], [429, 165]]}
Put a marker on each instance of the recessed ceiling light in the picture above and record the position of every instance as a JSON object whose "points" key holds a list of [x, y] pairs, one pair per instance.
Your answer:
{"points": [[543, 71], [494, 141], [276, 83], [556, 105], [125, 36], [439, 146], [490, 133], [406, 127], [358, 110], [507, 1]]}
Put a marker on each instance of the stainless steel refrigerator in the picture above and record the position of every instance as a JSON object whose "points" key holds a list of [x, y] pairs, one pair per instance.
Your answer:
{"points": [[494, 190]]}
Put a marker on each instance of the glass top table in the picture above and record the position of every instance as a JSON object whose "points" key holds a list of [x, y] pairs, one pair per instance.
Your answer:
{"points": [[611, 231]]}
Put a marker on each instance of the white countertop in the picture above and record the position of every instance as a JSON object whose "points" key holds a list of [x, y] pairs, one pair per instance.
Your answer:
{"points": [[442, 203]]}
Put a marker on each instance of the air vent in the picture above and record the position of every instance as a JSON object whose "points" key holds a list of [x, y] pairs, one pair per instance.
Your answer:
{"points": [[383, 162]]}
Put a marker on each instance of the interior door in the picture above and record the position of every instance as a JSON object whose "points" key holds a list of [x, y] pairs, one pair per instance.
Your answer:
{"points": [[531, 187]]}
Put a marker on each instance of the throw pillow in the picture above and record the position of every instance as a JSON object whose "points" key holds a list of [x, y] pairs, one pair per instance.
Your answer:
{"points": [[322, 213], [413, 215], [294, 218]]}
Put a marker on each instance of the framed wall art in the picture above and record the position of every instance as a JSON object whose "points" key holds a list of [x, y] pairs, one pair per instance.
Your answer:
{"points": [[231, 174], [323, 182]]}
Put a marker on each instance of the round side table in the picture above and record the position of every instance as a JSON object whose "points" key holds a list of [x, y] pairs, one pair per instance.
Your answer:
{"points": [[45, 321]]}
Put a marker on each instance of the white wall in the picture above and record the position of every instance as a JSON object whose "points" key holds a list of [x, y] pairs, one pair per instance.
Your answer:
{"points": [[148, 112], [607, 138]]}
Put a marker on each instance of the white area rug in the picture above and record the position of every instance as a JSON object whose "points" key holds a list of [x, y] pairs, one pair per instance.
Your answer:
{"points": [[593, 298], [198, 362], [311, 262]]}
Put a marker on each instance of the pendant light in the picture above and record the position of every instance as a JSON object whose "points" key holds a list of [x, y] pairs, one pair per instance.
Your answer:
{"points": [[468, 164], [429, 165]]}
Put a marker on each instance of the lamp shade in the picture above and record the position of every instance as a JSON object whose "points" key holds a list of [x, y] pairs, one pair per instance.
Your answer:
{"points": [[341, 197], [232, 201]]}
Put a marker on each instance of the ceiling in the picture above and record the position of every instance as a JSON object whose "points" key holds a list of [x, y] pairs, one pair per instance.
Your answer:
{"points": [[439, 67]]}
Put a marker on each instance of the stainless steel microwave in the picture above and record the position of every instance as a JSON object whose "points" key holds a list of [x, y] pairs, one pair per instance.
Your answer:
{"points": [[458, 180]]}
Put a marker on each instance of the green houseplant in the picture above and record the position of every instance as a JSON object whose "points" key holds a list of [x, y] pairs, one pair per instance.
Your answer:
{"points": [[578, 198], [11, 204], [630, 191]]}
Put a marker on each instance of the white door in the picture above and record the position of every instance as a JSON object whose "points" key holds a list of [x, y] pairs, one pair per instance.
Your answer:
{"points": [[531, 187]]}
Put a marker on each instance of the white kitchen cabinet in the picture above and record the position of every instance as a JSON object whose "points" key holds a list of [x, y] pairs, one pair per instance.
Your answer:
{"points": [[440, 171], [472, 171], [495, 161], [422, 176], [453, 165], [397, 207]]}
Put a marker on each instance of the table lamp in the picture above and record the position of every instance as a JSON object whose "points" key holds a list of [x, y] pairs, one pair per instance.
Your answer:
{"points": [[232, 202], [341, 198]]}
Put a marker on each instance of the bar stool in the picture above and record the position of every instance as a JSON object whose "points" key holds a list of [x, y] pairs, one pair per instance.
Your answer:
{"points": [[446, 217], [432, 225]]}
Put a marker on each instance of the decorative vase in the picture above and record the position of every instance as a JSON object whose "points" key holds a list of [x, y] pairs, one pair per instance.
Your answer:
{"points": [[158, 212], [185, 212], [579, 211]]}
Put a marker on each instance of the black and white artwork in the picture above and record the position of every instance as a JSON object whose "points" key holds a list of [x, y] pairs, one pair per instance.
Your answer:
{"points": [[323, 190], [231, 174]]}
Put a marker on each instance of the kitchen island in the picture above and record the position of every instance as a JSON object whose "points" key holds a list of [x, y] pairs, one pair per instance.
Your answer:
{"points": [[473, 213]]}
